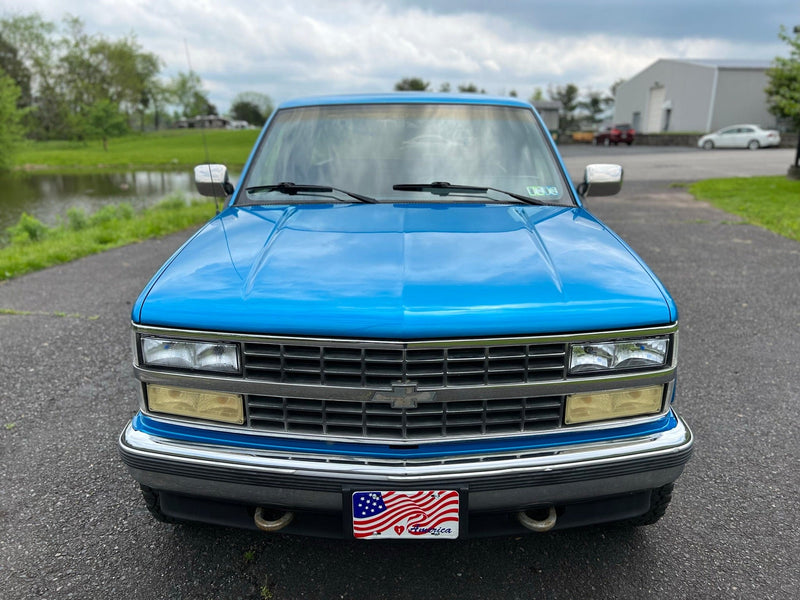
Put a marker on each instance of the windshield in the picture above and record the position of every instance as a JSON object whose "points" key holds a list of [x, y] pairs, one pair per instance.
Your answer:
{"points": [[368, 149]]}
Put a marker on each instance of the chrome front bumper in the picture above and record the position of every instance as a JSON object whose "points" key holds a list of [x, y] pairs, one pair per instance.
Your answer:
{"points": [[494, 482]]}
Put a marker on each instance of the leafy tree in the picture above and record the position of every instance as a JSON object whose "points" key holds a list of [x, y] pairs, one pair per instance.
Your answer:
{"points": [[16, 69], [253, 107], [78, 77], [104, 119], [49, 117], [445, 87], [71, 70], [411, 84], [568, 96], [247, 111], [187, 93], [31, 36], [262, 101], [156, 96], [536, 96], [11, 129], [615, 86], [202, 100], [783, 90], [94, 69], [127, 74], [470, 88], [593, 105]]}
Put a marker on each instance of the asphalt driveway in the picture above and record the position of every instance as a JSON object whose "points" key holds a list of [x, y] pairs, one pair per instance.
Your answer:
{"points": [[73, 525]]}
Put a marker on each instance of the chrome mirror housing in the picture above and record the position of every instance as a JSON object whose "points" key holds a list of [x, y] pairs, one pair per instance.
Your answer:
{"points": [[212, 180], [601, 180]]}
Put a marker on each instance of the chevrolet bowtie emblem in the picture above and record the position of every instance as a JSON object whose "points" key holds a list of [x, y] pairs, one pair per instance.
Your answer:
{"points": [[404, 395]]}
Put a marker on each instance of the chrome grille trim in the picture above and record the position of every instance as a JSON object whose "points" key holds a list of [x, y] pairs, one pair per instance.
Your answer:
{"points": [[550, 388], [373, 343], [428, 421], [377, 368]]}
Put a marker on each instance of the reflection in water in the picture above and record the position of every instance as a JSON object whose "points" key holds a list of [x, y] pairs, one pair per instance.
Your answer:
{"points": [[47, 197]]}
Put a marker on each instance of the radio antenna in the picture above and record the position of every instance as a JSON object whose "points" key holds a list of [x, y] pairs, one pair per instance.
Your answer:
{"points": [[202, 131]]}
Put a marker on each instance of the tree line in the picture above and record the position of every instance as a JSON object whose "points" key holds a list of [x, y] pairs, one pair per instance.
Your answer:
{"points": [[57, 81], [577, 110]]}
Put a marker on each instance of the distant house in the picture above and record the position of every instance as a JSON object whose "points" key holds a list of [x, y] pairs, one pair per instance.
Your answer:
{"points": [[694, 95], [204, 122]]}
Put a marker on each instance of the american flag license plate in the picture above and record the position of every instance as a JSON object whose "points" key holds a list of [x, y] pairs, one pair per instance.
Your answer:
{"points": [[429, 514]]}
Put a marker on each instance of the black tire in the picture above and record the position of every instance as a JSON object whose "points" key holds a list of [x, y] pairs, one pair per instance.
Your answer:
{"points": [[154, 506], [753, 145], [659, 500], [708, 145]]}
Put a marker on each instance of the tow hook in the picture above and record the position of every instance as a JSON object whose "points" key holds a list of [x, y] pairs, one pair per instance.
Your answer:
{"points": [[272, 525], [538, 525]]}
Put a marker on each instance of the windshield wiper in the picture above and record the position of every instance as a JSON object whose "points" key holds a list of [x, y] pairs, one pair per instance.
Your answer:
{"points": [[292, 189], [443, 188]]}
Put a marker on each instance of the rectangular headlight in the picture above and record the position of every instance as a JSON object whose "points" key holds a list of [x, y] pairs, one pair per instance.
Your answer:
{"points": [[195, 356], [618, 355], [212, 406], [615, 404]]}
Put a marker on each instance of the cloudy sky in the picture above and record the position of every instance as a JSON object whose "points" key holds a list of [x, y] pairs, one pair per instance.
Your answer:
{"points": [[287, 48]]}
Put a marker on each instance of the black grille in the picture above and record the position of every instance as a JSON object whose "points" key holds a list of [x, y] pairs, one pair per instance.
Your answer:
{"points": [[379, 367], [429, 420]]}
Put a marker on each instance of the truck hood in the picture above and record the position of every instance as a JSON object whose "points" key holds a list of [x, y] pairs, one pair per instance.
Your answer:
{"points": [[404, 271]]}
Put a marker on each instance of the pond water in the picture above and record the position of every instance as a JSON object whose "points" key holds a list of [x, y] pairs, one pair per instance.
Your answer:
{"points": [[47, 197]]}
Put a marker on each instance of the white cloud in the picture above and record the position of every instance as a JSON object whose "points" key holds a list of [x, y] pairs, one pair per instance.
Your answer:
{"points": [[314, 46]]}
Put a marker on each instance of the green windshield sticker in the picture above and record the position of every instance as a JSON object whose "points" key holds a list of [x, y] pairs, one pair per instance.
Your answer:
{"points": [[541, 190]]}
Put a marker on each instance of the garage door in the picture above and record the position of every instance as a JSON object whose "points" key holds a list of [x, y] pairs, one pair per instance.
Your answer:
{"points": [[654, 106]]}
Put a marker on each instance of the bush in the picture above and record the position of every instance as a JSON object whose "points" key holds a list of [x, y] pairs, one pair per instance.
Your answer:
{"points": [[27, 229], [76, 219], [172, 203], [125, 211], [112, 212]]}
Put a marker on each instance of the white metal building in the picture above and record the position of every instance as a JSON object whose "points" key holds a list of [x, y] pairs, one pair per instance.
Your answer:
{"points": [[694, 95]]}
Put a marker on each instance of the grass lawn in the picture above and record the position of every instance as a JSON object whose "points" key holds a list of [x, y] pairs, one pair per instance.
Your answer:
{"points": [[173, 148], [770, 202]]}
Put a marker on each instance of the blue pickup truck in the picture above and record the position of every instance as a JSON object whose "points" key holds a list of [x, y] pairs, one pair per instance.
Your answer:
{"points": [[404, 324]]}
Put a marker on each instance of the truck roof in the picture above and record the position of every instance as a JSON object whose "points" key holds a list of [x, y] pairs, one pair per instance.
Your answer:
{"points": [[405, 98]]}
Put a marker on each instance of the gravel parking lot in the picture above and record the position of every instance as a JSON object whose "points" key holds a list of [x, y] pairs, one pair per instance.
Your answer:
{"points": [[74, 526]]}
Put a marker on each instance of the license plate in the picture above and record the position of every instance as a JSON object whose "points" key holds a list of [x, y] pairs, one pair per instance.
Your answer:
{"points": [[388, 515]]}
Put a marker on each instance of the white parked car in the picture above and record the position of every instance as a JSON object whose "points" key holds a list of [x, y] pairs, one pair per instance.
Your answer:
{"points": [[740, 136]]}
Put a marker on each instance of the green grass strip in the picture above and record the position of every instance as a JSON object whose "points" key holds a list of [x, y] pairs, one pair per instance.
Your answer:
{"points": [[34, 246], [769, 202], [170, 149], [39, 313]]}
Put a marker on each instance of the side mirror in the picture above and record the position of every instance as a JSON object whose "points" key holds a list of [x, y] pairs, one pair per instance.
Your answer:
{"points": [[601, 180], [212, 180]]}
